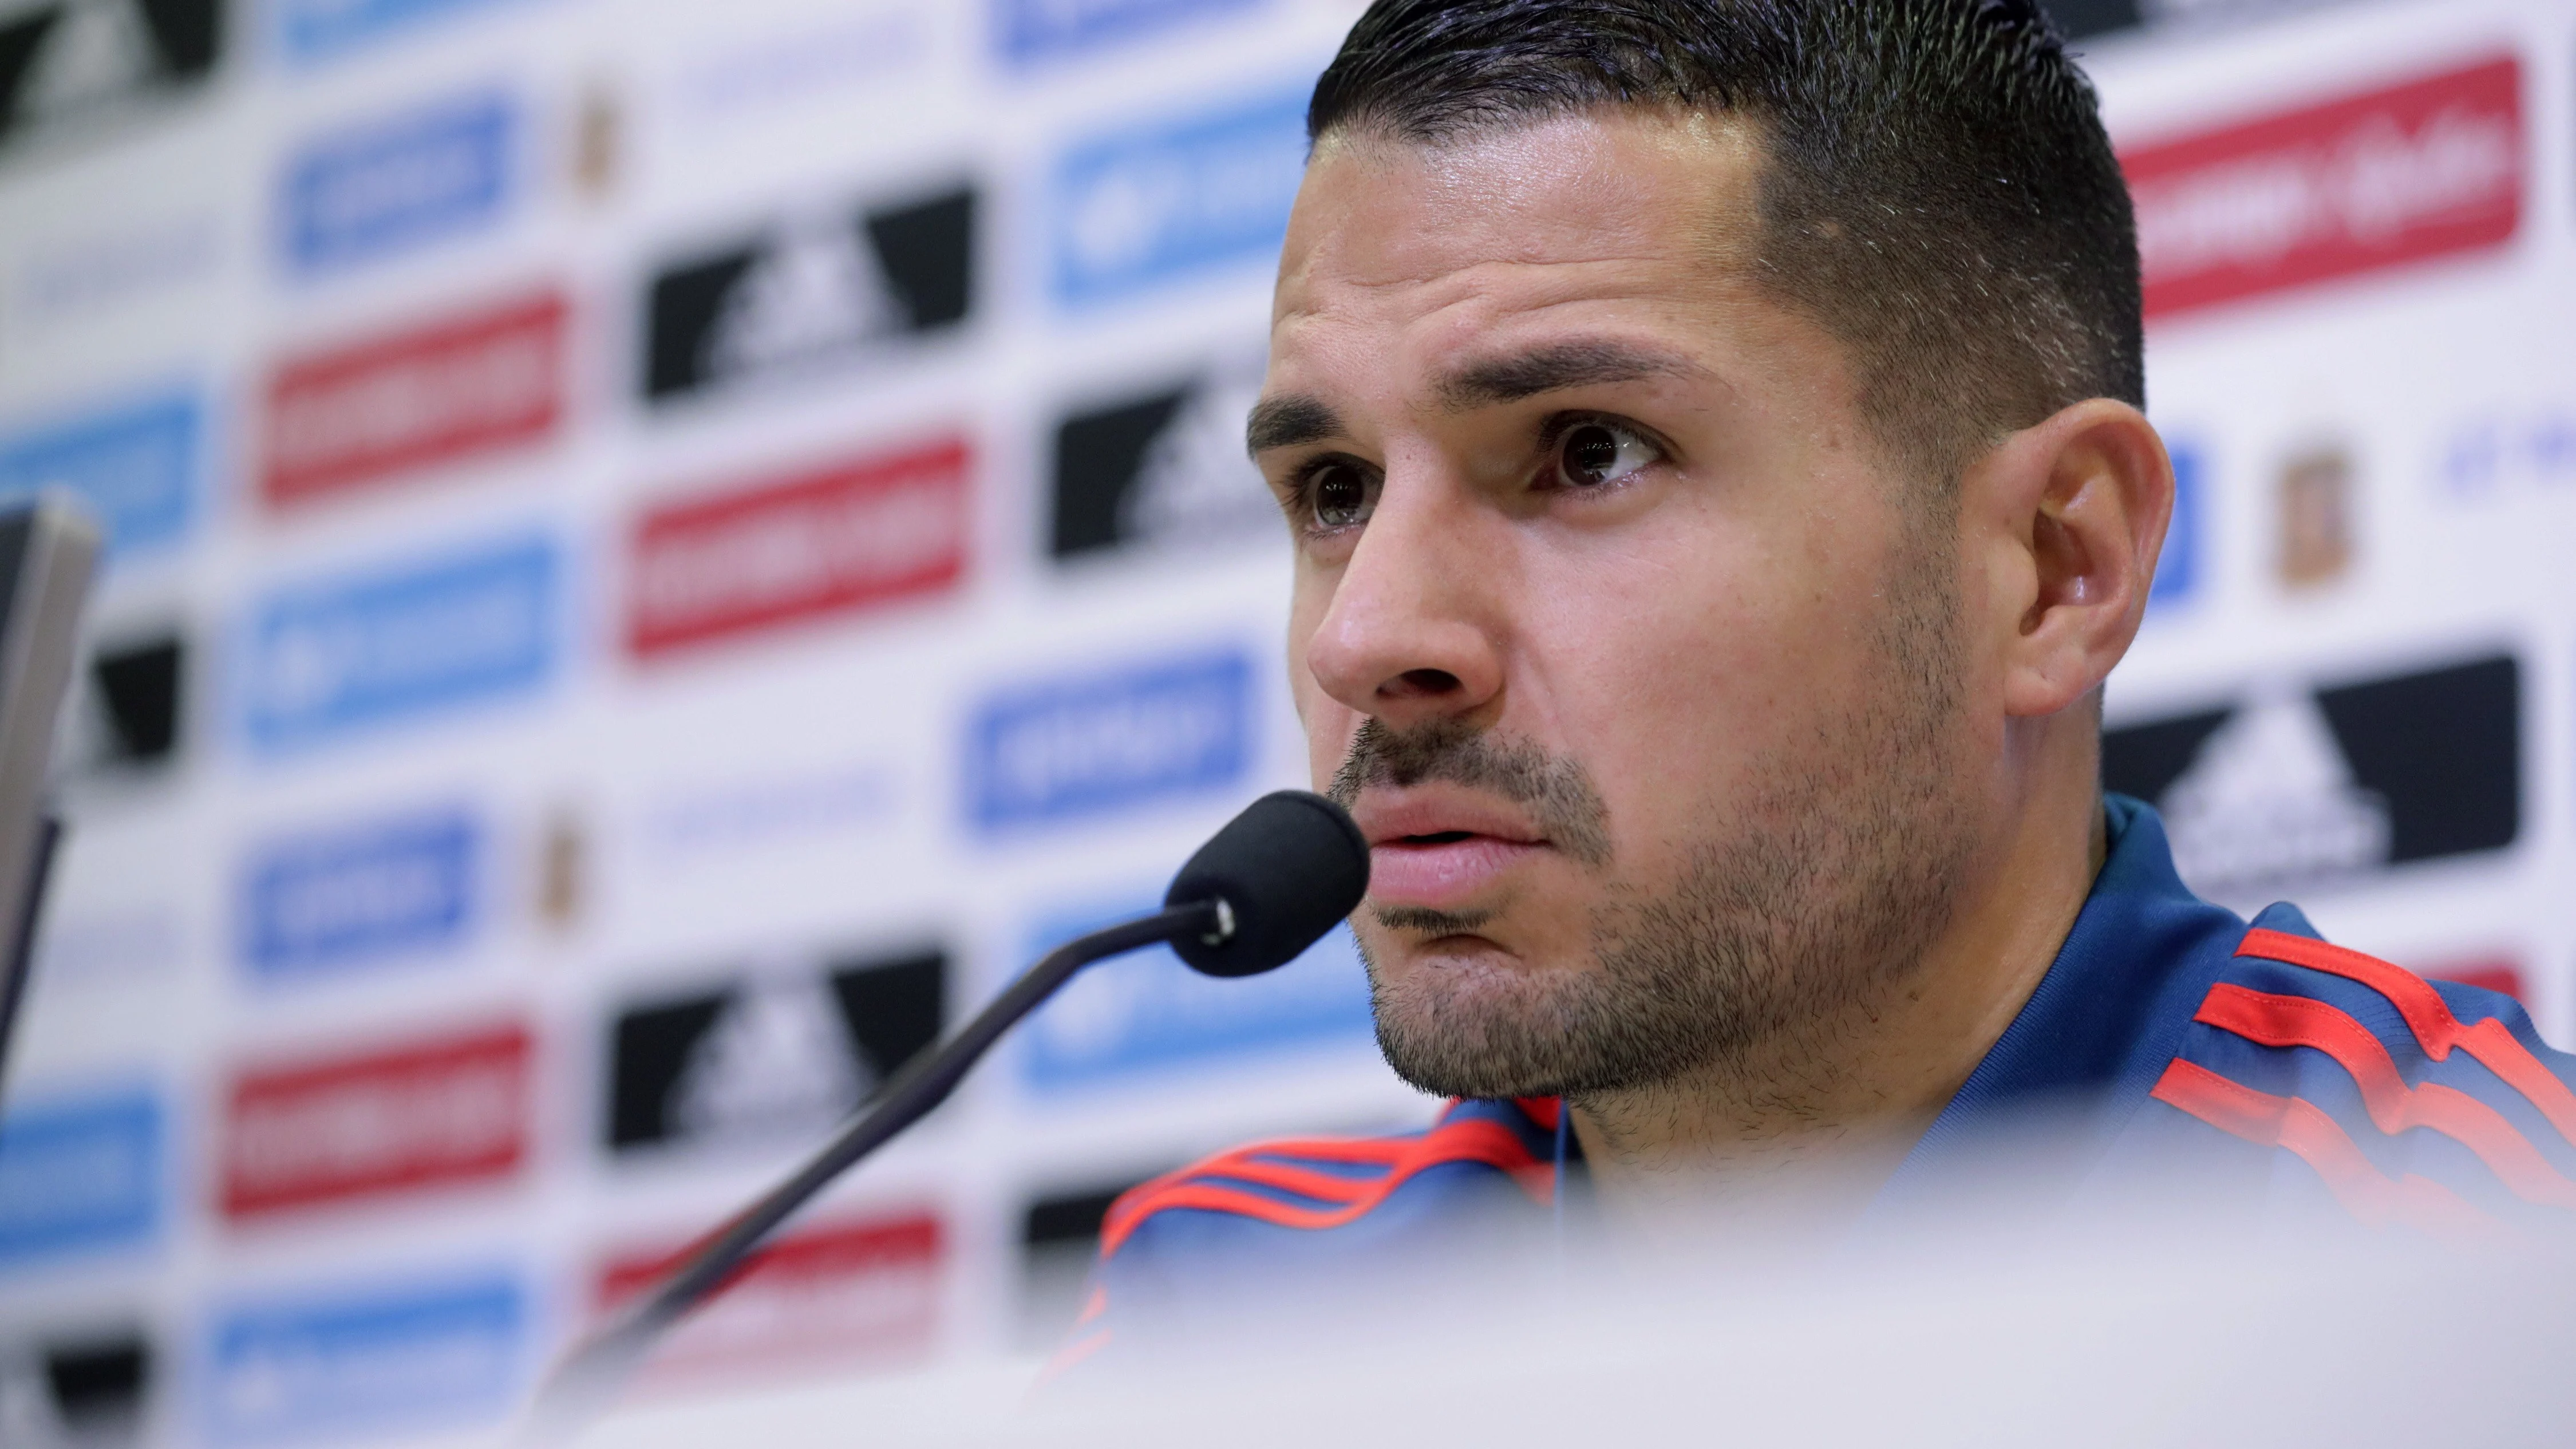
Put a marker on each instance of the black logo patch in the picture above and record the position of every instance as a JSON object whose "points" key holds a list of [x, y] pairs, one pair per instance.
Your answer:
{"points": [[2299, 785], [67, 61], [137, 689], [810, 293], [769, 1055], [86, 1389], [1160, 469]]}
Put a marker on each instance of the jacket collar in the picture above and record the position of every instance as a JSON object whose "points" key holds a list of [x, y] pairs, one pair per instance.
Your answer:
{"points": [[2110, 1012]]}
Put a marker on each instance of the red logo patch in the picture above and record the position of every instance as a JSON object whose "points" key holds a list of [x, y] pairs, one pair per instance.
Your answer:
{"points": [[865, 1291], [425, 1114], [2376, 180], [829, 541], [360, 414]]}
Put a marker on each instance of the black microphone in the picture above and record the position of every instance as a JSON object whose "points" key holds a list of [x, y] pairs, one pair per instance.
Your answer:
{"points": [[1262, 890], [1283, 872]]}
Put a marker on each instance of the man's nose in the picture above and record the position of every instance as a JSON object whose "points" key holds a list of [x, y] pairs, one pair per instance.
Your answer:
{"points": [[1412, 632]]}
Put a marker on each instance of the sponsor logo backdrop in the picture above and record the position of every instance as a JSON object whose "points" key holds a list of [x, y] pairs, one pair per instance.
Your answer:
{"points": [[660, 553]]}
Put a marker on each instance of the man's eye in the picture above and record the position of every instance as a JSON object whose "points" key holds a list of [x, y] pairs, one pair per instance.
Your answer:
{"points": [[1341, 494], [1592, 454]]}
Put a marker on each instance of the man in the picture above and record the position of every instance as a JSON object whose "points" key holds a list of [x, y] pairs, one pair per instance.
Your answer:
{"points": [[1710, 435]]}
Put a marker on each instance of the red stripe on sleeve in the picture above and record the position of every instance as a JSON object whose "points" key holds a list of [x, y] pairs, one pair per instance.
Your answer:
{"points": [[1238, 1162], [1324, 1149], [2299, 1021], [1378, 1151], [2302, 1128], [1491, 1143], [1304, 1181], [2429, 1017]]}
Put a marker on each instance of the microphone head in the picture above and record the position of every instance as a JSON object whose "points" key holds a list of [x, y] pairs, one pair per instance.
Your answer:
{"points": [[1289, 868]]}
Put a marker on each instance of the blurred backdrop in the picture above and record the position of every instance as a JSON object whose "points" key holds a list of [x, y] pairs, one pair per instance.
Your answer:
{"points": [[662, 550]]}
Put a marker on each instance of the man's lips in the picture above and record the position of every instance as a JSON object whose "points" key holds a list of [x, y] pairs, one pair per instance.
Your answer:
{"points": [[1443, 875], [1439, 848]]}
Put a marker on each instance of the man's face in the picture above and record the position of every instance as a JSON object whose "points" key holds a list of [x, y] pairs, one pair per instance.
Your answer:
{"points": [[1612, 622]]}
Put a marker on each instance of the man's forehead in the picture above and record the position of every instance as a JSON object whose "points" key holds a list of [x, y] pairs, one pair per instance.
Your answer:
{"points": [[1618, 188], [1583, 250]]}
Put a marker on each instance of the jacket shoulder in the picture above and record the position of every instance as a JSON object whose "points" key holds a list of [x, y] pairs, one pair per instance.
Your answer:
{"points": [[1239, 1242], [2412, 1104]]}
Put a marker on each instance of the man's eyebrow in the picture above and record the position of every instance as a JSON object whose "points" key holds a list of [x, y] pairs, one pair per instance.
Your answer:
{"points": [[1553, 368], [1286, 422], [1296, 419]]}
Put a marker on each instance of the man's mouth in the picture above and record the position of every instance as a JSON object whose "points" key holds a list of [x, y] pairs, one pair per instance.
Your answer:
{"points": [[1439, 847]]}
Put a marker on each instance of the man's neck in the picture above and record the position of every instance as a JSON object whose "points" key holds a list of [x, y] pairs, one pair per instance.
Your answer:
{"points": [[1813, 1122]]}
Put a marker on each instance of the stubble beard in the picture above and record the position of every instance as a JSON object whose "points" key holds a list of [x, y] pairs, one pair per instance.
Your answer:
{"points": [[1791, 917]]}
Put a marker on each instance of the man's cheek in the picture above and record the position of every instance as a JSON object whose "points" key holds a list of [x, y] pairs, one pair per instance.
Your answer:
{"points": [[1329, 727], [1321, 766]]}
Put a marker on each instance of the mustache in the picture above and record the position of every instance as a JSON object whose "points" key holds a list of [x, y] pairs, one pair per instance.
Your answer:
{"points": [[1556, 791]]}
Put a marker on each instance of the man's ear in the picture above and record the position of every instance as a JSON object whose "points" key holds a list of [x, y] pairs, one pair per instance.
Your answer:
{"points": [[2069, 515]]}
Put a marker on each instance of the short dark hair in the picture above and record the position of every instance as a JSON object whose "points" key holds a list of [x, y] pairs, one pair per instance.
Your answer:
{"points": [[1938, 191]]}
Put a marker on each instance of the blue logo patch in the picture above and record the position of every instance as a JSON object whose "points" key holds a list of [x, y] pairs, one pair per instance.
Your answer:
{"points": [[135, 466], [391, 887], [1148, 1012], [398, 1357], [1141, 208], [1029, 31], [1083, 746], [2178, 567], [339, 656], [313, 30], [80, 1175], [364, 193]]}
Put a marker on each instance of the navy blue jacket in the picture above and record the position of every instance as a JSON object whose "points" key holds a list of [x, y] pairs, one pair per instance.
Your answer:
{"points": [[2305, 1075]]}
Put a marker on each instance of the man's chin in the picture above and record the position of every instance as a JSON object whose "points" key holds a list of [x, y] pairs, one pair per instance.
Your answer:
{"points": [[1443, 1064], [1462, 1017]]}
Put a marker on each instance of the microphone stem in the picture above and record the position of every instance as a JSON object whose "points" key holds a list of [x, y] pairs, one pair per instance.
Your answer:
{"points": [[595, 1371]]}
